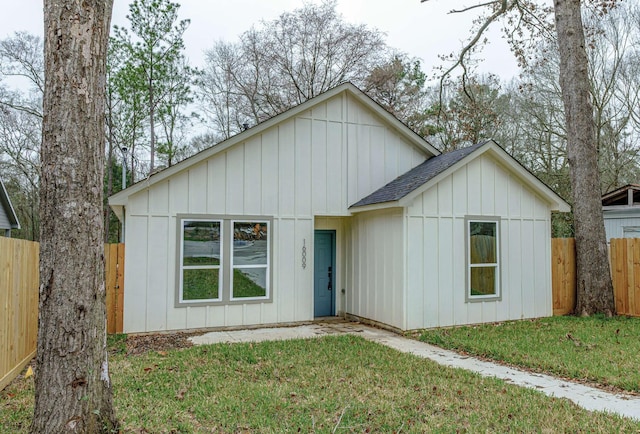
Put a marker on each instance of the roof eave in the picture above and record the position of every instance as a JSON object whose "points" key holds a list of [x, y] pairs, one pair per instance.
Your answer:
{"points": [[375, 206]]}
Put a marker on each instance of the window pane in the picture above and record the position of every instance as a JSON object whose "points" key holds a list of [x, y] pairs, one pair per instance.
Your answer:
{"points": [[249, 282], [482, 243], [483, 281], [201, 245], [250, 243], [200, 284]]}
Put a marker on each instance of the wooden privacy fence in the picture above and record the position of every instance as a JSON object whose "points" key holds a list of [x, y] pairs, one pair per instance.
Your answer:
{"points": [[114, 277], [19, 271], [18, 305], [624, 254], [563, 275], [624, 259]]}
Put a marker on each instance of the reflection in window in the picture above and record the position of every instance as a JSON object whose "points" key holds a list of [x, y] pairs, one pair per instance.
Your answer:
{"points": [[483, 267], [200, 270], [250, 259]]}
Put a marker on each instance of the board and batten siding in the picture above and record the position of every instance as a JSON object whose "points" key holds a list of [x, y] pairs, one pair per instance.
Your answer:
{"points": [[436, 252], [4, 219], [377, 267], [314, 164]]}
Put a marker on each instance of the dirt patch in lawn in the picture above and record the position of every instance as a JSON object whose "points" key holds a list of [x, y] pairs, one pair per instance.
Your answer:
{"points": [[159, 342]]}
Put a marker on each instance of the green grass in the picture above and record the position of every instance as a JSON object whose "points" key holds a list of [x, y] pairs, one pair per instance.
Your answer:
{"points": [[243, 286], [596, 349], [200, 284], [340, 383]]}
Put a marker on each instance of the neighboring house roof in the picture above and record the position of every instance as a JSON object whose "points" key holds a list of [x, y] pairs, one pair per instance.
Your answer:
{"points": [[416, 177], [120, 199], [8, 217], [402, 190], [623, 196]]}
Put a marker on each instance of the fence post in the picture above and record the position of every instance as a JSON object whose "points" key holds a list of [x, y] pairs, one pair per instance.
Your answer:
{"points": [[563, 275], [114, 276]]}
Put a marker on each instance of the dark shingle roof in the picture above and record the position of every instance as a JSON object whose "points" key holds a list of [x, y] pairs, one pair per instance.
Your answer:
{"points": [[414, 178]]}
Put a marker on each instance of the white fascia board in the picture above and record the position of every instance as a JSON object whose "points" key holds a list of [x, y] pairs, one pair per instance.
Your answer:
{"points": [[376, 206]]}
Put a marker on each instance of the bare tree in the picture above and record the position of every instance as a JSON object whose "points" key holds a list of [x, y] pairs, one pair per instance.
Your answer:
{"points": [[73, 389], [399, 85], [21, 62], [285, 62], [21, 57], [474, 111]]}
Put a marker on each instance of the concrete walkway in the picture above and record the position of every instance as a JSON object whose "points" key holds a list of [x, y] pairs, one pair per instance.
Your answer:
{"points": [[590, 398]]}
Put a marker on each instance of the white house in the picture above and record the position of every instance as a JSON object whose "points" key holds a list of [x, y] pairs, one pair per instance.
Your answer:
{"points": [[336, 208], [621, 212], [8, 217]]}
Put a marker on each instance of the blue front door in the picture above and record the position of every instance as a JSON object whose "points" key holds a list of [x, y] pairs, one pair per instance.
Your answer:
{"points": [[324, 273]]}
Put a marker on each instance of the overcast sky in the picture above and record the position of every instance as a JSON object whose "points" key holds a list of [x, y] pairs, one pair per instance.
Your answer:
{"points": [[422, 30]]}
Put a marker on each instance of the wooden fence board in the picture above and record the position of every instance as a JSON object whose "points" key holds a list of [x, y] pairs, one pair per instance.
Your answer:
{"points": [[618, 260], [634, 307], [563, 275], [119, 320], [109, 259], [18, 305], [624, 260], [19, 281], [114, 275]]}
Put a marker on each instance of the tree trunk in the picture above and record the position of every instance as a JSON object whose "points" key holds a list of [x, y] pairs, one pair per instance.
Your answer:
{"points": [[594, 288], [152, 124], [107, 209], [73, 390]]}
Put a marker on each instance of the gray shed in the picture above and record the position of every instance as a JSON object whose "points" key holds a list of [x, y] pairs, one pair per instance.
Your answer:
{"points": [[8, 217]]}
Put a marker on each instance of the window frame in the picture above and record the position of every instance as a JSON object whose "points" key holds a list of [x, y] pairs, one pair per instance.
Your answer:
{"points": [[469, 298], [225, 276]]}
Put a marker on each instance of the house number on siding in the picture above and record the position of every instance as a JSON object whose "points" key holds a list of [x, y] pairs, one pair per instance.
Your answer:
{"points": [[304, 253]]}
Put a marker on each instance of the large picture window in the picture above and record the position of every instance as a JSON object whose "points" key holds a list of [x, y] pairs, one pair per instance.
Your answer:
{"points": [[223, 260], [483, 259]]}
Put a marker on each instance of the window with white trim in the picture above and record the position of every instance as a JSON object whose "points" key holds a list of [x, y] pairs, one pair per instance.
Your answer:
{"points": [[223, 259], [483, 258]]}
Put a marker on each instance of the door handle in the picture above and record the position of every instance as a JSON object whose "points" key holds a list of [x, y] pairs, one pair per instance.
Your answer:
{"points": [[330, 286]]}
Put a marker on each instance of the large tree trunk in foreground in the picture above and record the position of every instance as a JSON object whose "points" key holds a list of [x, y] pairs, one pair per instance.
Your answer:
{"points": [[594, 288], [73, 391]]}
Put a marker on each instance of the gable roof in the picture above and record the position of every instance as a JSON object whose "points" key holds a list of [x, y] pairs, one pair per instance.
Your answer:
{"points": [[120, 199], [402, 190], [5, 203]]}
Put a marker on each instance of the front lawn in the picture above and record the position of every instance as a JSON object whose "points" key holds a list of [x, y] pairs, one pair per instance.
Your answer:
{"points": [[330, 384], [596, 349]]}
